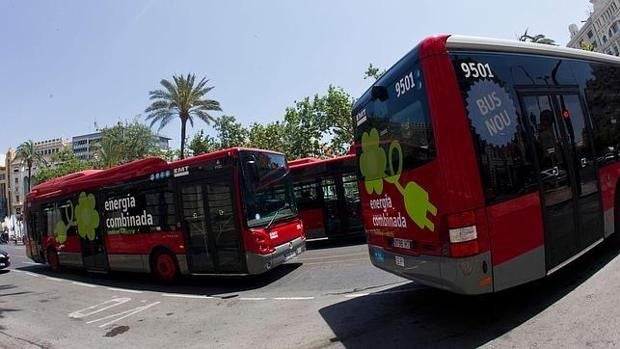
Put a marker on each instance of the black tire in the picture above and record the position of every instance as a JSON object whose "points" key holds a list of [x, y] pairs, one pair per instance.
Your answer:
{"points": [[164, 266]]}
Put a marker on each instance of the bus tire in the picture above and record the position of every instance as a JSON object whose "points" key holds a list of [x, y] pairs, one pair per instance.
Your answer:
{"points": [[164, 266], [52, 260]]}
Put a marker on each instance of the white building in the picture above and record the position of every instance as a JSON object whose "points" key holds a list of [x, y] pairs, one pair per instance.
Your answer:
{"points": [[601, 29], [3, 188]]}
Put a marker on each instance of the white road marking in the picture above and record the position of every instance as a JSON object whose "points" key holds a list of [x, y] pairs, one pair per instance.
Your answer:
{"points": [[180, 295], [32, 274], [94, 309], [17, 270], [252, 298], [123, 290], [356, 295], [82, 284], [32, 263], [344, 261], [53, 278], [293, 298], [122, 315]]}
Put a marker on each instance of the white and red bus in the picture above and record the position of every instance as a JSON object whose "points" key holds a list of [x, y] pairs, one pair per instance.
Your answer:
{"points": [[485, 164], [226, 212], [327, 196]]}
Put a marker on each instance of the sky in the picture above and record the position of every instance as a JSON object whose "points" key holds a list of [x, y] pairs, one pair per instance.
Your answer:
{"points": [[68, 65]]}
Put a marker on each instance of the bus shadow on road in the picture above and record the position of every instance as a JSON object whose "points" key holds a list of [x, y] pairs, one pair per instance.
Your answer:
{"points": [[416, 316], [223, 286]]}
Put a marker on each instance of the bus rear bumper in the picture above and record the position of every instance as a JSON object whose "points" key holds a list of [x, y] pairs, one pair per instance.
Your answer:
{"points": [[258, 263], [468, 275]]}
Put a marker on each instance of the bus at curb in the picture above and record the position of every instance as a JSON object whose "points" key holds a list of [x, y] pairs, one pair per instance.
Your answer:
{"points": [[485, 164], [228, 212]]}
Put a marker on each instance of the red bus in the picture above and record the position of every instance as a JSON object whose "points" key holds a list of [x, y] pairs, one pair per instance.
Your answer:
{"points": [[226, 212], [485, 164], [327, 197]]}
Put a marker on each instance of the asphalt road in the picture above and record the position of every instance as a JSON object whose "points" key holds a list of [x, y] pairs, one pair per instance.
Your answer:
{"points": [[329, 297]]}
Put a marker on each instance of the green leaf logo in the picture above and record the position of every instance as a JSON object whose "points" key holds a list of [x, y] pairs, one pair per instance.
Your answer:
{"points": [[372, 162], [61, 232], [86, 216]]}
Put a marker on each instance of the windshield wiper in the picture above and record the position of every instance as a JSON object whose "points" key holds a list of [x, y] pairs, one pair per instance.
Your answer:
{"points": [[274, 217]]}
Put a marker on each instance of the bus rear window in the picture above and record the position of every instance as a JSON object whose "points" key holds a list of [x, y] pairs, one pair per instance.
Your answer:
{"points": [[397, 110]]}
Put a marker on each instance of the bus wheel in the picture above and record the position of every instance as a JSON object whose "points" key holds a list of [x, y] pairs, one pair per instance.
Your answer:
{"points": [[52, 260], [164, 267]]}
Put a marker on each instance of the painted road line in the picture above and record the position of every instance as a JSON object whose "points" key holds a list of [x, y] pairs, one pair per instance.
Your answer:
{"points": [[82, 284], [17, 270], [180, 295], [293, 298], [123, 290], [32, 274], [31, 263], [122, 315], [53, 278], [355, 295], [252, 298]]}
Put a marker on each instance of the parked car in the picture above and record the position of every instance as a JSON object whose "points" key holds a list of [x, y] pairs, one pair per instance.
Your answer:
{"points": [[5, 260]]}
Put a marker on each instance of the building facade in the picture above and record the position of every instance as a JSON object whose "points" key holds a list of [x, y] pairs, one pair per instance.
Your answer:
{"points": [[4, 202], [601, 31]]}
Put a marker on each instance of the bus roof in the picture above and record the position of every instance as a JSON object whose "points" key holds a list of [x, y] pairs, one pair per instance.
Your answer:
{"points": [[440, 44], [308, 162], [96, 178], [513, 46]]}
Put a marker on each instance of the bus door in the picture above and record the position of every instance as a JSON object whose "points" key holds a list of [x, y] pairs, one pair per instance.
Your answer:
{"points": [[569, 187], [351, 203], [210, 224], [331, 207]]}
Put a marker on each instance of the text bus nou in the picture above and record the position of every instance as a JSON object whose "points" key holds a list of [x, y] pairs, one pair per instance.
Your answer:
{"points": [[227, 212], [327, 195], [485, 164]]}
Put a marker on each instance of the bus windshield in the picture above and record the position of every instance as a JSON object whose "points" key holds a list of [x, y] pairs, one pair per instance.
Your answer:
{"points": [[395, 109], [267, 188]]}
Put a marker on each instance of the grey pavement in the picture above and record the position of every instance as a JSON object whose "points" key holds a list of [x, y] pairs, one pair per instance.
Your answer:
{"points": [[329, 297]]}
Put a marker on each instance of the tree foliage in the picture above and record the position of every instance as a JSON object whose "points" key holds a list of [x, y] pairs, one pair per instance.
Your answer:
{"points": [[538, 38], [27, 153], [63, 163], [267, 136], [586, 45], [183, 98], [373, 72], [125, 142], [202, 143], [230, 132]]}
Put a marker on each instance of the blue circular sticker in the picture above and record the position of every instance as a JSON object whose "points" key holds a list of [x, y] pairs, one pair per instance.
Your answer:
{"points": [[492, 112]]}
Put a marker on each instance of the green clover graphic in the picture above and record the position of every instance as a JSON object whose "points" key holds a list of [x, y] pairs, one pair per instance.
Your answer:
{"points": [[61, 232], [372, 162], [86, 215]]}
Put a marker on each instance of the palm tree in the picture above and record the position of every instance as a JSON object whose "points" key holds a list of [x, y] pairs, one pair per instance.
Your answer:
{"points": [[109, 153], [28, 154], [538, 38], [183, 99]]}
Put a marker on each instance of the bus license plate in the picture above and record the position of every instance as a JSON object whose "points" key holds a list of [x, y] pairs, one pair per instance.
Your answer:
{"points": [[289, 255], [401, 243], [400, 261]]}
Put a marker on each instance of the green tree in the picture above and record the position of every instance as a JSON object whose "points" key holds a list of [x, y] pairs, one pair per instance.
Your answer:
{"points": [[586, 45], [303, 127], [230, 133], [27, 153], [268, 136], [373, 72], [202, 143], [125, 142], [538, 38], [335, 111], [63, 163], [184, 99]]}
